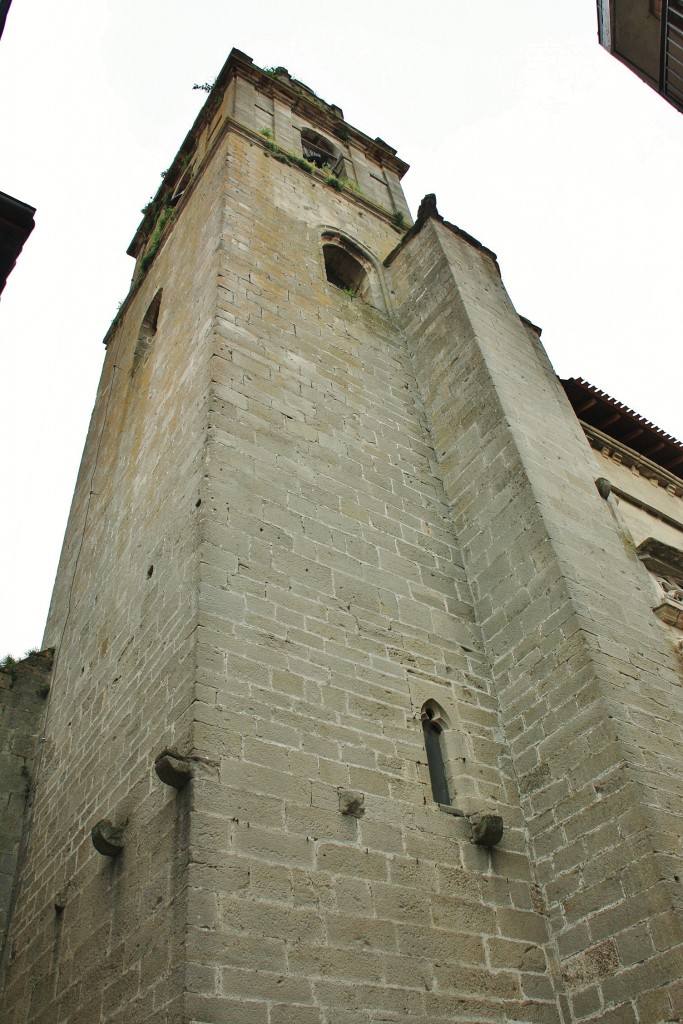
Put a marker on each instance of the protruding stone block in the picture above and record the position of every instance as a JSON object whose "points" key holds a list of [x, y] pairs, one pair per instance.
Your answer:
{"points": [[487, 829], [173, 769], [351, 803], [107, 838], [604, 487]]}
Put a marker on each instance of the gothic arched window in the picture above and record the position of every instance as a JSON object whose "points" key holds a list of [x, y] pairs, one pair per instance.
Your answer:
{"points": [[433, 725]]}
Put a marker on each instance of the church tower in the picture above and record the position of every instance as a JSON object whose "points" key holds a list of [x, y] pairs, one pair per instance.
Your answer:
{"points": [[358, 711]]}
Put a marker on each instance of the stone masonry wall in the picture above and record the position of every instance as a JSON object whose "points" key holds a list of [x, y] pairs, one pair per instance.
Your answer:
{"points": [[332, 605], [24, 687], [298, 518], [123, 621], [589, 688]]}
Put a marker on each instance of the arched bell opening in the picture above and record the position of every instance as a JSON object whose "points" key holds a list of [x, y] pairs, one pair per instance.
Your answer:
{"points": [[321, 152]]}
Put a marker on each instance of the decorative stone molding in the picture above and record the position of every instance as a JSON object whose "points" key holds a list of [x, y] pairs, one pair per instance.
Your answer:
{"points": [[665, 563], [625, 456], [670, 612]]}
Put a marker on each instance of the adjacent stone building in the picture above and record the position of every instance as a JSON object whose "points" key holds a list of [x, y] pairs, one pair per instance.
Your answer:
{"points": [[359, 709]]}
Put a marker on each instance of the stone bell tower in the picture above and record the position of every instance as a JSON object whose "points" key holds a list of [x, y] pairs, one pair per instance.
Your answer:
{"points": [[343, 726]]}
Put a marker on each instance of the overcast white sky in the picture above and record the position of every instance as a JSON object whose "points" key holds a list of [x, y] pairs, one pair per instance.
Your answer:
{"points": [[533, 138]]}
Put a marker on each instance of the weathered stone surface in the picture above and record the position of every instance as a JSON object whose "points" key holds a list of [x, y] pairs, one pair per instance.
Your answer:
{"points": [[24, 687], [172, 769], [487, 829], [354, 510], [604, 487], [351, 802], [107, 839]]}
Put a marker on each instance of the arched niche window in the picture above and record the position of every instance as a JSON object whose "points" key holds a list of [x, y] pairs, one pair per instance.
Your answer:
{"points": [[345, 271], [148, 328], [321, 152], [434, 725], [347, 268]]}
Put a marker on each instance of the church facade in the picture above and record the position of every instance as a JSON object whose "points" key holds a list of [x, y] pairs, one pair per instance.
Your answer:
{"points": [[365, 702]]}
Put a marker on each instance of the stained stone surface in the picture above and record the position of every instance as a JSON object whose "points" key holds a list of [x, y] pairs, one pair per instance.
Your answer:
{"points": [[352, 508]]}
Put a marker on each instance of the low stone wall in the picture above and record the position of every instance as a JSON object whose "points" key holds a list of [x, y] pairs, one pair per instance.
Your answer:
{"points": [[24, 686]]}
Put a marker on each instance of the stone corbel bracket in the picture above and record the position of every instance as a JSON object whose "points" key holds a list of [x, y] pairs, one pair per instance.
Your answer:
{"points": [[107, 838], [487, 827], [173, 769]]}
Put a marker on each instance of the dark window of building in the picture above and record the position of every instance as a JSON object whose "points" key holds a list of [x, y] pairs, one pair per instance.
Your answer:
{"points": [[148, 328], [348, 267], [432, 728], [343, 270], [321, 152], [181, 187]]}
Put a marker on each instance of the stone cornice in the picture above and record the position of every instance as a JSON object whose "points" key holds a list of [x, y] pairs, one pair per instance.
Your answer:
{"points": [[628, 457], [301, 99], [229, 125]]}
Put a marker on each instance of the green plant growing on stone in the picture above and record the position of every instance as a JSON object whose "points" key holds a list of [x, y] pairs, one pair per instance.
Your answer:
{"points": [[338, 181], [155, 240], [398, 220], [352, 186], [301, 162], [205, 86], [287, 157], [9, 665], [117, 316]]}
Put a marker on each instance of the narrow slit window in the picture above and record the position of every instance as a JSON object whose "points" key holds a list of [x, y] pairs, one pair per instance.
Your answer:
{"points": [[433, 733]]}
